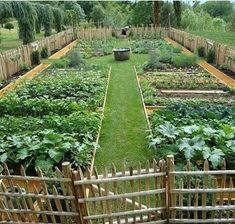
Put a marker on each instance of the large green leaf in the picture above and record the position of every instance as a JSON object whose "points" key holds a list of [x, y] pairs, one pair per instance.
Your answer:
{"points": [[56, 155], [168, 130], [190, 146], [214, 156]]}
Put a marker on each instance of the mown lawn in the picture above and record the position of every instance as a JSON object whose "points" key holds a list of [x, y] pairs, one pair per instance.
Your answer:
{"points": [[221, 37], [124, 130]]}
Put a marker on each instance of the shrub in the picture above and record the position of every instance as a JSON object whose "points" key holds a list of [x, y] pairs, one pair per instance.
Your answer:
{"points": [[223, 67], [210, 57], [60, 63], [165, 57], [75, 59], [24, 66], [9, 26], [153, 62], [182, 61], [201, 51], [44, 52], [35, 58]]}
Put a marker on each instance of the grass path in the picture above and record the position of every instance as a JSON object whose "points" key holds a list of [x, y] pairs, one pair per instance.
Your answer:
{"points": [[123, 134]]}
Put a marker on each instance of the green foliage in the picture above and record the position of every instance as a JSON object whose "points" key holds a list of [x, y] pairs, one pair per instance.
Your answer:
{"points": [[9, 26], [195, 132], [218, 8], [153, 62], [23, 12], [192, 20], [35, 57], [52, 118], [98, 14], [75, 59], [210, 56], [73, 13], [179, 80], [201, 51], [142, 13], [44, 52], [24, 66], [182, 61], [178, 11], [60, 63], [167, 15], [47, 20], [58, 19]]}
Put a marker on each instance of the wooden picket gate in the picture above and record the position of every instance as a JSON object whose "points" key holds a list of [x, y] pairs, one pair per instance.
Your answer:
{"points": [[154, 193]]}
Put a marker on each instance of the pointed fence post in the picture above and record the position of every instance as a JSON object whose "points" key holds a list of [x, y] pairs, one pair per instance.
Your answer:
{"points": [[171, 185]]}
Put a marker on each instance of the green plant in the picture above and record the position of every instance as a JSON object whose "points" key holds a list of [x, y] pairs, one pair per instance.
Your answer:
{"points": [[75, 59], [44, 52], [24, 66], [223, 67], [195, 131], [182, 61], [35, 57], [201, 51], [60, 63], [210, 57], [153, 62]]}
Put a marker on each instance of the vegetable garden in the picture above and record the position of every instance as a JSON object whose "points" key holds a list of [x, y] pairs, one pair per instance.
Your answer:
{"points": [[86, 109], [191, 113]]}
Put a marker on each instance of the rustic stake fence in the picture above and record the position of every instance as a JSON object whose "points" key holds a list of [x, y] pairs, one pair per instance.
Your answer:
{"points": [[223, 54], [151, 193]]}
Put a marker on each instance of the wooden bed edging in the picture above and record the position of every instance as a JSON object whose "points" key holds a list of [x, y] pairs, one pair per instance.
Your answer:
{"points": [[143, 104], [101, 120], [228, 81], [35, 71]]}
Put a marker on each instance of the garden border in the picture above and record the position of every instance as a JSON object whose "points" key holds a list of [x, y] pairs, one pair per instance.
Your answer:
{"points": [[35, 71], [142, 99], [101, 121], [206, 66]]}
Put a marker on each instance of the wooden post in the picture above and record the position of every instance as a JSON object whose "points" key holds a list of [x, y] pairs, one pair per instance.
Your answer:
{"points": [[67, 172], [79, 192], [171, 185]]}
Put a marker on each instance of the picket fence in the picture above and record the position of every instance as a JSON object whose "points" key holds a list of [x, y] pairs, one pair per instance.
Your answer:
{"points": [[151, 193], [224, 55]]}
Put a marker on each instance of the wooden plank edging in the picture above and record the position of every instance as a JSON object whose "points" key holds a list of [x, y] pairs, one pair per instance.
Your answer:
{"points": [[225, 79], [35, 71], [143, 104], [101, 121]]}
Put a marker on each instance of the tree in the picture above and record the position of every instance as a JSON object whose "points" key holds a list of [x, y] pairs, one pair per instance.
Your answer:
{"points": [[178, 11], [142, 13], [98, 14], [167, 15], [47, 20], [39, 8], [24, 14], [77, 10], [58, 19], [218, 8], [156, 13], [5, 12], [9, 26]]}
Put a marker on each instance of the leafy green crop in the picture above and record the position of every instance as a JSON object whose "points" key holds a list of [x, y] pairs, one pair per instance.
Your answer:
{"points": [[195, 131]]}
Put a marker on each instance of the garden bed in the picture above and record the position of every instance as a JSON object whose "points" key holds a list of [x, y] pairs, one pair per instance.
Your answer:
{"points": [[52, 118]]}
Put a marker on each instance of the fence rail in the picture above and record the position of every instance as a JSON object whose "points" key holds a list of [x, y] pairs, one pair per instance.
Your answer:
{"points": [[223, 54], [153, 193]]}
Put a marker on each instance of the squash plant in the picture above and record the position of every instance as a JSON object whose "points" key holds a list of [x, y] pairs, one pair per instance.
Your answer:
{"points": [[195, 131]]}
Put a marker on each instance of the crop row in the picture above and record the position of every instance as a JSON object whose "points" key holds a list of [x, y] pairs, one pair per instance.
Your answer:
{"points": [[192, 126], [52, 118]]}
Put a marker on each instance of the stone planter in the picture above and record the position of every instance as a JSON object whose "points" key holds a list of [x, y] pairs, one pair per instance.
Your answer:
{"points": [[121, 54]]}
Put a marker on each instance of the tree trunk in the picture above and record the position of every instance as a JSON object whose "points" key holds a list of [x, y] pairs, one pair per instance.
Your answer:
{"points": [[156, 13]]}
